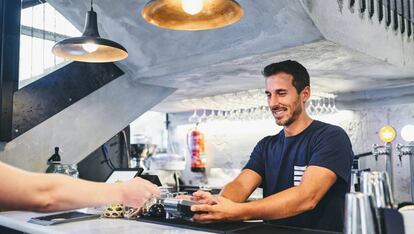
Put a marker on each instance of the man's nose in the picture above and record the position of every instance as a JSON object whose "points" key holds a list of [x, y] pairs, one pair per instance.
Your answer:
{"points": [[273, 101]]}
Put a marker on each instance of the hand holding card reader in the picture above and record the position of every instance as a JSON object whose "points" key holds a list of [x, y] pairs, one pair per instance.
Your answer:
{"points": [[178, 208]]}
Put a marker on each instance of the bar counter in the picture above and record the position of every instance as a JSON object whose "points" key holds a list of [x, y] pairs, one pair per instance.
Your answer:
{"points": [[17, 220]]}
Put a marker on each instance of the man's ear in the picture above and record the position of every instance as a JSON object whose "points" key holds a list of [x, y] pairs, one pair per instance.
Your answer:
{"points": [[306, 93]]}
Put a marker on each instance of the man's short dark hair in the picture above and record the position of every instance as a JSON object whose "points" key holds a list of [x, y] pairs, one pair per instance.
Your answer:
{"points": [[293, 68]]}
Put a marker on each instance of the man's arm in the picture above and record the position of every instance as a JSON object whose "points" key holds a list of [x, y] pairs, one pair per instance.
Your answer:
{"points": [[242, 186], [316, 181], [24, 190], [237, 191]]}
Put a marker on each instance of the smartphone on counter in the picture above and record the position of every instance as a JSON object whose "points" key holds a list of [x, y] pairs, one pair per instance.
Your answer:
{"points": [[62, 218]]}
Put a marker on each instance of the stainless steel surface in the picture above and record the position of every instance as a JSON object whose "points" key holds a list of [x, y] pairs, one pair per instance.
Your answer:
{"points": [[412, 170], [408, 150], [376, 184], [385, 150], [140, 152], [360, 214], [171, 208]]}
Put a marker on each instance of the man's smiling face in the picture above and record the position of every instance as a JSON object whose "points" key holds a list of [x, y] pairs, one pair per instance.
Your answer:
{"points": [[283, 99]]}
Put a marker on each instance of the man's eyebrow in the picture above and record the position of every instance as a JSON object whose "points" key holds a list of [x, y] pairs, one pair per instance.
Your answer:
{"points": [[281, 90], [276, 91]]}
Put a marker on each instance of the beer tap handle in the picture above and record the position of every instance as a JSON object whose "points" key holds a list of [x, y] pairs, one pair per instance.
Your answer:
{"points": [[375, 151]]}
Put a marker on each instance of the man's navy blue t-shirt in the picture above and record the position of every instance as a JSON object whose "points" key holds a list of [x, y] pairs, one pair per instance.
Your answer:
{"points": [[281, 162]]}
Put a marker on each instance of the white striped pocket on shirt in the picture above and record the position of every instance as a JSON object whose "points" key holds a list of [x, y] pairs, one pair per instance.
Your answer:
{"points": [[298, 172]]}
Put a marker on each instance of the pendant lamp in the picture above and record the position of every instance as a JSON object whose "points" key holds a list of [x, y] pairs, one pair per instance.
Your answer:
{"points": [[90, 47], [192, 14]]}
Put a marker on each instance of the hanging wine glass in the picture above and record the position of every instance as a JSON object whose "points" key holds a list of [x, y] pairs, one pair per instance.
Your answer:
{"points": [[312, 107], [263, 112], [318, 108], [308, 107], [211, 116], [231, 115], [325, 107], [255, 113], [194, 118], [220, 115], [334, 109], [203, 117]]}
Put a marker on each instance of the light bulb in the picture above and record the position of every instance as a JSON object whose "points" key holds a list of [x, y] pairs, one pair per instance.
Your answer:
{"points": [[407, 133], [90, 47], [192, 7], [387, 134]]}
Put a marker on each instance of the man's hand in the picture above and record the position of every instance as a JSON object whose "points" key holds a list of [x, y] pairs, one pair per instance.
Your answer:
{"points": [[223, 210], [204, 197]]}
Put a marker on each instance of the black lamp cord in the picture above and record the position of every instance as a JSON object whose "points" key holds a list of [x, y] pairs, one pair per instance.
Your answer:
{"points": [[127, 148], [108, 160], [106, 156]]}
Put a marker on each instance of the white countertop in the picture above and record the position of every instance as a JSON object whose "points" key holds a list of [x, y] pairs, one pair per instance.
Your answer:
{"points": [[18, 220], [408, 216]]}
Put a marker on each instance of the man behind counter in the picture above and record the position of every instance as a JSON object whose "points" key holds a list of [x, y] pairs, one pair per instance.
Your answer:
{"points": [[304, 169]]}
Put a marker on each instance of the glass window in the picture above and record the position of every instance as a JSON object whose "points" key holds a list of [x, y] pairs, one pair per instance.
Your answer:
{"points": [[42, 26]]}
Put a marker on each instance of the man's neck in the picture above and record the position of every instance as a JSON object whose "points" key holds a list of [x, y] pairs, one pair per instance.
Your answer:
{"points": [[298, 125]]}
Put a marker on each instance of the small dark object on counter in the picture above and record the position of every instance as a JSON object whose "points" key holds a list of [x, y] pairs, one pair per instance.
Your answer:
{"points": [[65, 217], [157, 211], [180, 208]]}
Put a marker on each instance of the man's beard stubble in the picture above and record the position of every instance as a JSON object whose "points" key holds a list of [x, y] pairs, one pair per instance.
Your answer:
{"points": [[296, 112]]}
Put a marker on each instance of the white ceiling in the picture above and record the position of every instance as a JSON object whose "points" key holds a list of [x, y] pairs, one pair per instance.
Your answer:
{"points": [[230, 59]]}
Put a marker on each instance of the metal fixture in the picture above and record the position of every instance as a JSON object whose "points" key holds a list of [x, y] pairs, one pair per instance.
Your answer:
{"points": [[407, 133], [395, 12], [386, 150], [90, 47], [388, 14], [360, 214], [192, 14], [141, 150], [377, 184], [362, 6], [370, 8], [387, 135], [407, 150], [380, 10], [179, 208]]}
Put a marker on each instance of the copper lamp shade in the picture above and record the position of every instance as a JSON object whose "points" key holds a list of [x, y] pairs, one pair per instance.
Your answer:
{"points": [[171, 14], [90, 47]]}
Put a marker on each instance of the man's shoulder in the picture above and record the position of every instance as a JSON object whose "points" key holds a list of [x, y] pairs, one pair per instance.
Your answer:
{"points": [[268, 141], [328, 129], [270, 138], [331, 135]]}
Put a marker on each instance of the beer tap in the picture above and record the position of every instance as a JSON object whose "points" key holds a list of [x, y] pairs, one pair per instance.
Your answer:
{"points": [[407, 133], [405, 150], [387, 135]]}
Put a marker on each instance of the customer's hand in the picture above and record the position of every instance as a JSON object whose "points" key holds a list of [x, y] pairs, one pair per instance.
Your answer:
{"points": [[136, 192], [204, 197]]}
